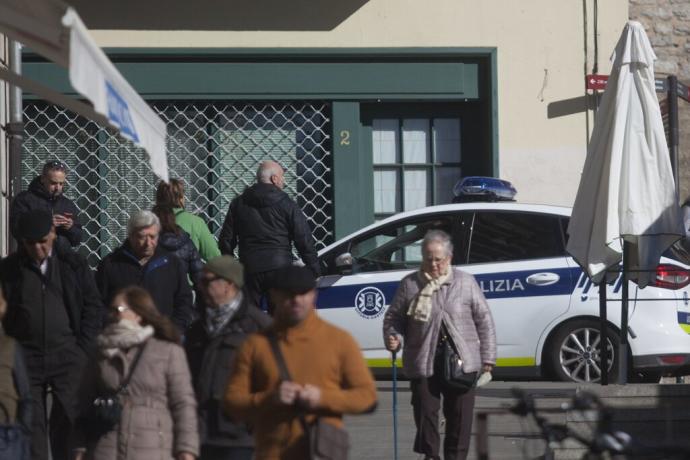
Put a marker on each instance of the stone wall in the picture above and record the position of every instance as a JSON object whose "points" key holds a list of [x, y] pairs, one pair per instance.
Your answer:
{"points": [[668, 25]]}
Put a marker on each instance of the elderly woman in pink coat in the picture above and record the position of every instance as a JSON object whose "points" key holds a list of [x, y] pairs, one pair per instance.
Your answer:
{"points": [[435, 306]]}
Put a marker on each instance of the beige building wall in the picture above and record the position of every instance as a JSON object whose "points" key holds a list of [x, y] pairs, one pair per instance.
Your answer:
{"points": [[541, 66]]}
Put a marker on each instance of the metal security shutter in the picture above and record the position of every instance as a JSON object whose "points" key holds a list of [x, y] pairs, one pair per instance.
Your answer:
{"points": [[214, 147]]}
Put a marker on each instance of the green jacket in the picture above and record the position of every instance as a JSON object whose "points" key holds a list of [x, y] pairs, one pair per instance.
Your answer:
{"points": [[198, 232]]}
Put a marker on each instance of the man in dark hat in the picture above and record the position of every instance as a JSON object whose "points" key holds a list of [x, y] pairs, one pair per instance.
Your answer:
{"points": [[54, 311], [212, 342], [327, 373], [46, 192]]}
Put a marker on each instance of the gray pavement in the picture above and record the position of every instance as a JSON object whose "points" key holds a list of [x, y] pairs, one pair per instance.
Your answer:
{"points": [[660, 412], [372, 435]]}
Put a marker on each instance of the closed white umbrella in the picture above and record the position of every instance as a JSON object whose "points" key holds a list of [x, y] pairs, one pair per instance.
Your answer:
{"points": [[627, 192]]}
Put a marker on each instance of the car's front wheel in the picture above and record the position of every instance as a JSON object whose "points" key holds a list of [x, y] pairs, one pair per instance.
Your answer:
{"points": [[574, 354]]}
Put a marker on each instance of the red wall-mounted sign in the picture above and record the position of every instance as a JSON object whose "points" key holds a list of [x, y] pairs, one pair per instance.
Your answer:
{"points": [[597, 82]]}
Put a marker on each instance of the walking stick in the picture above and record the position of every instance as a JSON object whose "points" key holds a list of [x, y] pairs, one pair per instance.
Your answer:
{"points": [[395, 405]]}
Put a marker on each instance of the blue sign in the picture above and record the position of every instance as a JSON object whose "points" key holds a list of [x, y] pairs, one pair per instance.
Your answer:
{"points": [[118, 113], [370, 302]]}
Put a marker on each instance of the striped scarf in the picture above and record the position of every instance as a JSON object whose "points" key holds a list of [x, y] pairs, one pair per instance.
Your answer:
{"points": [[218, 317]]}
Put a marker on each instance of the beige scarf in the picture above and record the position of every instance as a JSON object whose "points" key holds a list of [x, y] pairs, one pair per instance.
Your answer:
{"points": [[420, 306], [122, 335]]}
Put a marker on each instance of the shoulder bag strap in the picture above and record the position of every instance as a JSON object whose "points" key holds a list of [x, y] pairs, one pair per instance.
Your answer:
{"points": [[125, 382], [449, 339], [278, 355], [284, 373]]}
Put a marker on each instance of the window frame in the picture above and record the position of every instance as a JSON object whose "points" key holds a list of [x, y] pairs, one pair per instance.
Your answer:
{"points": [[430, 167]]}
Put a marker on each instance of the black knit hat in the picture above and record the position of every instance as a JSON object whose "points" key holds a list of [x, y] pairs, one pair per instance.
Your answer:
{"points": [[293, 279], [34, 225]]}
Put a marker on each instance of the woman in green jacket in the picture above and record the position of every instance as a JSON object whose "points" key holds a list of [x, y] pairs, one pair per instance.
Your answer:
{"points": [[172, 194]]}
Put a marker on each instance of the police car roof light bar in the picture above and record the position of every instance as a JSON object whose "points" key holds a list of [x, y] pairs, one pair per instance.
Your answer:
{"points": [[481, 188]]}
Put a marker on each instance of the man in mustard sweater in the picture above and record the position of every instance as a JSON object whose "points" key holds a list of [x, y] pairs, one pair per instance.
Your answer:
{"points": [[328, 375]]}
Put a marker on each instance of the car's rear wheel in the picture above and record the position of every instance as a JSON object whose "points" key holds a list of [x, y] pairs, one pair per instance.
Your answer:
{"points": [[574, 354]]}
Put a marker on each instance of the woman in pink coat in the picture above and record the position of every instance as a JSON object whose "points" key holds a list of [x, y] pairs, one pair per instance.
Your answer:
{"points": [[159, 417]]}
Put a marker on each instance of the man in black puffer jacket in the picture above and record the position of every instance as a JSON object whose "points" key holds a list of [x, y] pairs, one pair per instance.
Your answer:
{"points": [[141, 262], [46, 192], [264, 222]]}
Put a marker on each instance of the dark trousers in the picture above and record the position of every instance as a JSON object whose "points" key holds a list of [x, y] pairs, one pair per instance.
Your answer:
{"points": [[56, 373], [457, 410], [256, 286], [226, 453]]}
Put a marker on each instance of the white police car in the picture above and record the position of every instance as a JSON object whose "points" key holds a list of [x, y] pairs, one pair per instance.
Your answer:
{"points": [[544, 306]]}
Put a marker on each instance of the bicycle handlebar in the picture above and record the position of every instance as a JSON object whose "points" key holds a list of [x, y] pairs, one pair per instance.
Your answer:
{"points": [[604, 440]]}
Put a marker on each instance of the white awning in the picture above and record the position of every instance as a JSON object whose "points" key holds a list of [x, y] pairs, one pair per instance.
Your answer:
{"points": [[55, 31]]}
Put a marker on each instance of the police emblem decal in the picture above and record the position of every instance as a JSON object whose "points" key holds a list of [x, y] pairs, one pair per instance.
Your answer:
{"points": [[369, 302]]}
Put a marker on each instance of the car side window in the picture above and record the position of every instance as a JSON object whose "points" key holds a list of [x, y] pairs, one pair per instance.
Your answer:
{"points": [[506, 236], [396, 246]]}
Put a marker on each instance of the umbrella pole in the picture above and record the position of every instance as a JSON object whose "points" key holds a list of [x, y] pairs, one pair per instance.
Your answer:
{"points": [[603, 337], [623, 349]]}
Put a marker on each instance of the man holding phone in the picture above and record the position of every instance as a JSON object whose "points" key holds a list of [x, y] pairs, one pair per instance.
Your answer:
{"points": [[46, 192]]}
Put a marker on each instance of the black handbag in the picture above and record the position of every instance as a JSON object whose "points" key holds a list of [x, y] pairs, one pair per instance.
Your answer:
{"points": [[326, 441], [452, 374], [105, 411]]}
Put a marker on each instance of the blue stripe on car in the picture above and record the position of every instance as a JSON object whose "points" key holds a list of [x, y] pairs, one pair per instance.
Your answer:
{"points": [[494, 285]]}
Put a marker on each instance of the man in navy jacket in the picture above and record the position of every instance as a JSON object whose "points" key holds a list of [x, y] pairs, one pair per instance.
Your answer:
{"points": [[141, 262]]}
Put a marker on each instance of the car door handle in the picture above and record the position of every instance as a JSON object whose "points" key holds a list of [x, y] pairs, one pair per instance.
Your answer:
{"points": [[543, 279]]}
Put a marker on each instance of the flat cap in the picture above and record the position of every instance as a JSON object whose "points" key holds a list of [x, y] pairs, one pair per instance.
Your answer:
{"points": [[293, 279], [228, 268], [34, 225]]}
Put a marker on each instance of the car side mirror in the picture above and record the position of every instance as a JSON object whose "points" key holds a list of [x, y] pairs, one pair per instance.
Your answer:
{"points": [[343, 263]]}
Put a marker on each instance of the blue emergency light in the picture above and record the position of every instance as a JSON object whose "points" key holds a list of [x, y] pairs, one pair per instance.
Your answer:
{"points": [[480, 188]]}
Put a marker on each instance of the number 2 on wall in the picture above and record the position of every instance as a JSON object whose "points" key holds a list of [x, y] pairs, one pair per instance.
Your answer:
{"points": [[345, 137]]}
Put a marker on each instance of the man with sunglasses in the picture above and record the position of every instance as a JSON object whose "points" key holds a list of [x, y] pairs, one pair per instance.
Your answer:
{"points": [[54, 311], [212, 342], [46, 193]]}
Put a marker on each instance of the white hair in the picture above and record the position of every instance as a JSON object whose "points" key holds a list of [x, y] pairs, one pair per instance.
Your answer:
{"points": [[266, 170], [438, 236], [142, 219]]}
